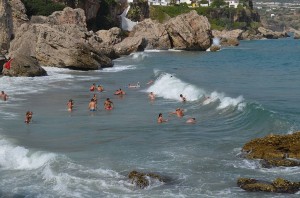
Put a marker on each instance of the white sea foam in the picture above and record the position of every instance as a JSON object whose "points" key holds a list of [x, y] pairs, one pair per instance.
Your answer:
{"points": [[154, 50], [118, 68], [19, 158], [8, 115], [27, 85], [138, 56], [77, 181], [169, 86]]}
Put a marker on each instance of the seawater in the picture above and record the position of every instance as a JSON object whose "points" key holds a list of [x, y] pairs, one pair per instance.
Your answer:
{"points": [[253, 91]]}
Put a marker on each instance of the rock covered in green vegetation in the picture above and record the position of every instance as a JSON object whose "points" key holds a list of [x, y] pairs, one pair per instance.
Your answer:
{"points": [[279, 185], [275, 150], [142, 180]]}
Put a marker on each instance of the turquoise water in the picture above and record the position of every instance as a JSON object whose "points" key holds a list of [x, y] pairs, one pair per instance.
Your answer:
{"points": [[253, 91]]}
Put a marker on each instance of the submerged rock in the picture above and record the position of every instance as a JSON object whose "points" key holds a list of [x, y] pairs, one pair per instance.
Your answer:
{"points": [[142, 180], [22, 65], [275, 150], [279, 185]]}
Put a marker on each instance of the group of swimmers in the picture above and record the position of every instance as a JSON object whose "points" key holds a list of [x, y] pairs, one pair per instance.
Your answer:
{"points": [[178, 112], [108, 104]]}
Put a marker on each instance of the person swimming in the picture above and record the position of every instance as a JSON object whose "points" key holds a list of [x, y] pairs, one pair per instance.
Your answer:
{"points": [[70, 105], [100, 88], [108, 104], [191, 121], [178, 112], [120, 92], [183, 99], [93, 87], [134, 86], [160, 118]]}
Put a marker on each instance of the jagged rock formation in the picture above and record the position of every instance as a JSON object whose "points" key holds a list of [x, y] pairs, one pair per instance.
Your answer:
{"points": [[155, 33], [228, 38], [269, 34], [142, 180], [275, 150], [279, 185], [184, 32], [2, 61], [189, 32], [60, 40], [23, 65], [129, 45]]}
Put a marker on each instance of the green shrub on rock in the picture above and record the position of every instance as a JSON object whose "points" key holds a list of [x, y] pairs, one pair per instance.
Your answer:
{"points": [[41, 7]]}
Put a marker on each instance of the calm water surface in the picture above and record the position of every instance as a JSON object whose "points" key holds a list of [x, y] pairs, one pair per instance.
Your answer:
{"points": [[253, 91]]}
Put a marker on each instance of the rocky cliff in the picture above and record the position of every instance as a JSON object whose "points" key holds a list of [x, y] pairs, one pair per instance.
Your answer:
{"points": [[12, 15], [60, 40], [185, 32]]}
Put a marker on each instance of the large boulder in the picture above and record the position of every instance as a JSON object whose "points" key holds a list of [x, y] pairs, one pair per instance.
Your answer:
{"points": [[23, 65], [228, 38], [104, 40], [189, 32], [275, 150], [251, 35], [130, 45], [60, 40], [155, 33], [279, 185]]}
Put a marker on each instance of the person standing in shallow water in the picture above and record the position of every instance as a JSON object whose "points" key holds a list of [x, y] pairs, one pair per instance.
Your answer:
{"points": [[151, 96], [92, 105], [3, 96], [160, 118], [28, 117]]}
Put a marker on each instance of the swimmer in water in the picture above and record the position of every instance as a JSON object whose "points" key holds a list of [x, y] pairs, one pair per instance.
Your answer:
{"points": [[108, 104], [3, 96], [93, 87], [28, 117], [151, 96], [120, 92], [100, 88], [70, 105], [183, 99], [160, 118], [178, 112], [191, 121]]}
